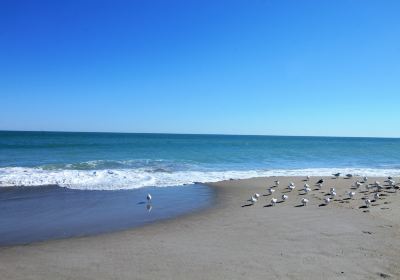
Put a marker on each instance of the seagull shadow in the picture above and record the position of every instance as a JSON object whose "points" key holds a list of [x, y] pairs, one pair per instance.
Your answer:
{"points": [[141, 202], [300, 205], [302, 193], [268, 205], [266, 195], [347, 198], [281, 201], [363, 207], [285, 191], [322, 205], [247, 205]]}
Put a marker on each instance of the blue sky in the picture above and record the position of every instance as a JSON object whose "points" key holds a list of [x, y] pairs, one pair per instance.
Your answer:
{"points": [[234, 67]]}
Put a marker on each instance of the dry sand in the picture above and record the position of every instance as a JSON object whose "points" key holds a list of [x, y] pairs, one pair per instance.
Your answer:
{"points": [[228, 241]]}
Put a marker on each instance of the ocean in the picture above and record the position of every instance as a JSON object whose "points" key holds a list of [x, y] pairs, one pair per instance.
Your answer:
{"points": [[57, 185], [114, 161]]}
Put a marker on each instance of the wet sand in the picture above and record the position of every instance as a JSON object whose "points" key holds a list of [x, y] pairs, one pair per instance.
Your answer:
{"points": [[342, 240]]}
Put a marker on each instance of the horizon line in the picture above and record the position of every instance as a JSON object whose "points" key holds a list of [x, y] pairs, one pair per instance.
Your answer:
{"points": [[205, 134]]}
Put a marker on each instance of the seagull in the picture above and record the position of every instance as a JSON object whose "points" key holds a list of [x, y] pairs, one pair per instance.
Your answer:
{"points": [[276, 183], [367, 202], [336, 175], [291, 184], [390, 178], [320, 181], [333, 194], [376, 196], [307, 189], [377, 183], [253, 200], [148, 197], [392, 182], [304, 201], [327, 200], [357, 184], [306, 185], [365, 179], [271, 190], [352, 194], [256, 195], [284, 197], [273, 201], [308, 178], [349, 175], [331, 190], [291, 188]]}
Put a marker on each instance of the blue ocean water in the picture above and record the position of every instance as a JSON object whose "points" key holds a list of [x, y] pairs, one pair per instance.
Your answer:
{"points": [[104, 161]]}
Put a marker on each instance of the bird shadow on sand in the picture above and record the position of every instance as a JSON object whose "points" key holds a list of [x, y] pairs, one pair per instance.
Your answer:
{"points": [[300, 205], [363, 207], [285, 192], [302, 193], [268, 205], [247, 205], [266, 195], [322, 205]]}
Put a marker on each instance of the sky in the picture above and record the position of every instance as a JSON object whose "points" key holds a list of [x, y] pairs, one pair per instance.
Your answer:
{"points": [[227, 67]]}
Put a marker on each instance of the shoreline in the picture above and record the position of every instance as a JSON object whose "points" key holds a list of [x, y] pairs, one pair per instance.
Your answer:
{"points": [[230, 241]]}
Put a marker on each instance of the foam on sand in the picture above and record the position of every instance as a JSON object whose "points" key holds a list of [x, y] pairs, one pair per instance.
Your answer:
{"points": [[114, 179]]}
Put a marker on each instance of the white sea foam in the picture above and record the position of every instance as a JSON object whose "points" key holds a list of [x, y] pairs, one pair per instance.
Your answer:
{"points": [[136, 178]]}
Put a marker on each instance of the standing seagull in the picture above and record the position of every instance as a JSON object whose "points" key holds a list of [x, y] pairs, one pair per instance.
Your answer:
{"points": [[320, 181], [336, 174], [148, 197], [304, 201], [284, 197]]}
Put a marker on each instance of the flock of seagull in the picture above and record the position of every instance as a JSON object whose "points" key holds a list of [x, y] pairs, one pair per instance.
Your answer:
{"points": [[376, 188]]}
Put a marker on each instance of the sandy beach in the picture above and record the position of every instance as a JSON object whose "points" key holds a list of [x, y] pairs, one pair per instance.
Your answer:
{"points": [[341, 240]]}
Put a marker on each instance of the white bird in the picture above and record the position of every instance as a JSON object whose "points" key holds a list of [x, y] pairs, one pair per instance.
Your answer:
{"points": [[253, 200], [376, 196], [276, 183], [392, 183], [148, 197], [291, 188], [274, 201], [327, 200], [307, 190], [357, 184], [291, 184], [377, 183], [271, 190], [306, 185], [352, 194], [308, 178], [333, 194], [284, 197], [256, 195], [331, 190], [304, 201], [365, 179], [367, 202]]}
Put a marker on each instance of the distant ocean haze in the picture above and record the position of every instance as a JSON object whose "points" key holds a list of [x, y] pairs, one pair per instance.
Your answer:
{"points": [[109, 161]]}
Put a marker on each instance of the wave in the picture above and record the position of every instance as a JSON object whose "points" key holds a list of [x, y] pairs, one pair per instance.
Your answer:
{"points": [[117, 179]]}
